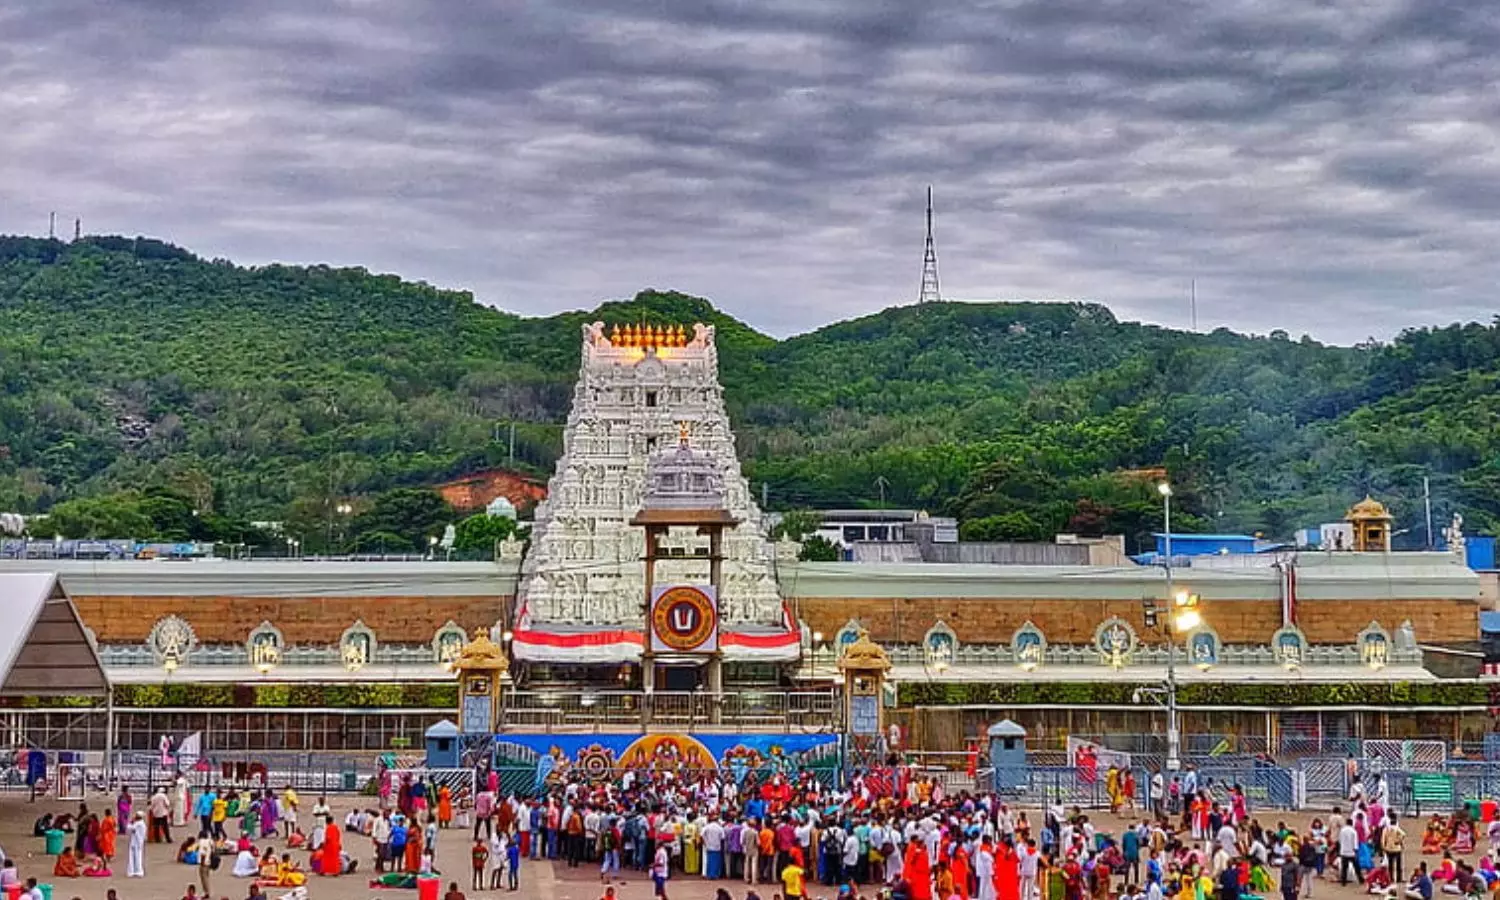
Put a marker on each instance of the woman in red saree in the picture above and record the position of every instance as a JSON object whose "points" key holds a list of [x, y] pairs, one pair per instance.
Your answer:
{"points": [[960, 865], [1007, 873], [333, 845], [917, 869], [414, 850], [107, 829]]}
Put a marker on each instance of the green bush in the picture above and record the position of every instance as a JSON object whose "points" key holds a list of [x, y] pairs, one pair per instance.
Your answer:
{"points": [[1112, 694]]}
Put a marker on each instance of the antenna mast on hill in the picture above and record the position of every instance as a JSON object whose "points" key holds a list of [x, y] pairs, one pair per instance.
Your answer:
{"points": [[77, 229], [51, 226], [930, 293], [1193, 302]]}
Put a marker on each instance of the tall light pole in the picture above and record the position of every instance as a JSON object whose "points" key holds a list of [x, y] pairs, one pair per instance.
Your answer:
{"points": [[1174, 758]]}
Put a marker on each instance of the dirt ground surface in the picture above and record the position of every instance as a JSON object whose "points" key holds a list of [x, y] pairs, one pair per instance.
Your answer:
{"points": [[168, 880]]}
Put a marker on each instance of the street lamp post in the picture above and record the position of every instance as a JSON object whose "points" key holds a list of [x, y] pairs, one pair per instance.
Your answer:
{"points": [[1174, 759]]}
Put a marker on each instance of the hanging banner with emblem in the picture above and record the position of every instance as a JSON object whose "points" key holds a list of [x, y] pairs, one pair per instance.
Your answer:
{"points": [[684, 619]]}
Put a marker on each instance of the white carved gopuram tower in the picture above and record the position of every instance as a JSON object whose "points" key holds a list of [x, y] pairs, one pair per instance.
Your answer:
{"points": [[581, 598]]}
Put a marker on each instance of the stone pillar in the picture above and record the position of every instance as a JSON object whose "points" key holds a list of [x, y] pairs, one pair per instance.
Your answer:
{"points": [[648, 659], [864, 665], [716, 662], [482, 669]]}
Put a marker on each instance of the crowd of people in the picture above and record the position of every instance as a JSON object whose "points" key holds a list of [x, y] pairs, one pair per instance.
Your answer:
{"points": [[403, 847], [798, 837], [793, 836]]}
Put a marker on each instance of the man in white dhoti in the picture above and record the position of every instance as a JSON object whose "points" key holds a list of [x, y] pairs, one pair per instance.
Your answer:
{"points": [[1029, 864], [246, 864], [984, 870], [135, 858], [181, 805]]}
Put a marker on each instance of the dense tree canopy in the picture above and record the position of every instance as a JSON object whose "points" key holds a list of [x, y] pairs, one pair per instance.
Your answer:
{"points": [[278, 393], [482, 532]]}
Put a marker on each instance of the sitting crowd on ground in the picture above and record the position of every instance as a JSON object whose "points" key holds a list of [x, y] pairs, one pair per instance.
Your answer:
{"points": [[403, 850]]}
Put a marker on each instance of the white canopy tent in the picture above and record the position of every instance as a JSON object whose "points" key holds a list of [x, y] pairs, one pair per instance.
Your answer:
{"points": [[44, 649]]}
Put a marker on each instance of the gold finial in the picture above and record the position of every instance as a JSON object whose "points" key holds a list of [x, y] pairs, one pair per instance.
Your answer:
{"points": [[481, 654], [614, 335], [684, 431]]}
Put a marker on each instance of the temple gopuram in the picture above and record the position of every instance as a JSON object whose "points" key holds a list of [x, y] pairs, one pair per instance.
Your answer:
{"points": [[580, 617]]}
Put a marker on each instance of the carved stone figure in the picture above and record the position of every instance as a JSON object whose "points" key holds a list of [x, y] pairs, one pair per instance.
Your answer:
{"points": [[1406, 637], [1454, 535]]}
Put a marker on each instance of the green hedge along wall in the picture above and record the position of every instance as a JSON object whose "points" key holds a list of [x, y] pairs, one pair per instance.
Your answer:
{"points": [[1075, 694]]}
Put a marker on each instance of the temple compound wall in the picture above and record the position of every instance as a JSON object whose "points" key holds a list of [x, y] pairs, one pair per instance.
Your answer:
{"points": [[313, 604]]}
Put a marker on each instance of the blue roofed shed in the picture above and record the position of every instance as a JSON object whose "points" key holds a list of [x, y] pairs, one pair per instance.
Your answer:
{"points": [[1206, 544], [442, 745]]}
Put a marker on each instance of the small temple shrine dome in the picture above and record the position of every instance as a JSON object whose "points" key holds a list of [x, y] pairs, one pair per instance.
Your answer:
{"points": [[1372, 525], [683, 480], [1368, 509]]}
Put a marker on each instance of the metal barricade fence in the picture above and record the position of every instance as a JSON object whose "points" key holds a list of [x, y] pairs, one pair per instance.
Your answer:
{"points": [[1194, 744], [1303, 744], [1051, 786], [1477, 780], [943, 761], [1054, 786], [1325, 780], [319, 773], [1425, 756], [1265, 786], [1477, 783], [1421, 792], [1408, 791]]}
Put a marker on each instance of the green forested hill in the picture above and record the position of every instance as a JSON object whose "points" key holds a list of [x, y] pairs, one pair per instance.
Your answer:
{"points": [[130, 364]]}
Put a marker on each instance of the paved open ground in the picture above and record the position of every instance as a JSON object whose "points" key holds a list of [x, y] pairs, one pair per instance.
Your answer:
{"points": [[167, 880]]}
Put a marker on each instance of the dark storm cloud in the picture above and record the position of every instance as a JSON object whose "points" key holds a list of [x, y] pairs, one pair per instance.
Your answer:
{"points": [[1327, 167]]}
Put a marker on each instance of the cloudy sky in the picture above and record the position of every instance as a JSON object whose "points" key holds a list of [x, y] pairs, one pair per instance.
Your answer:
{"points": [[1325, 167]]}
